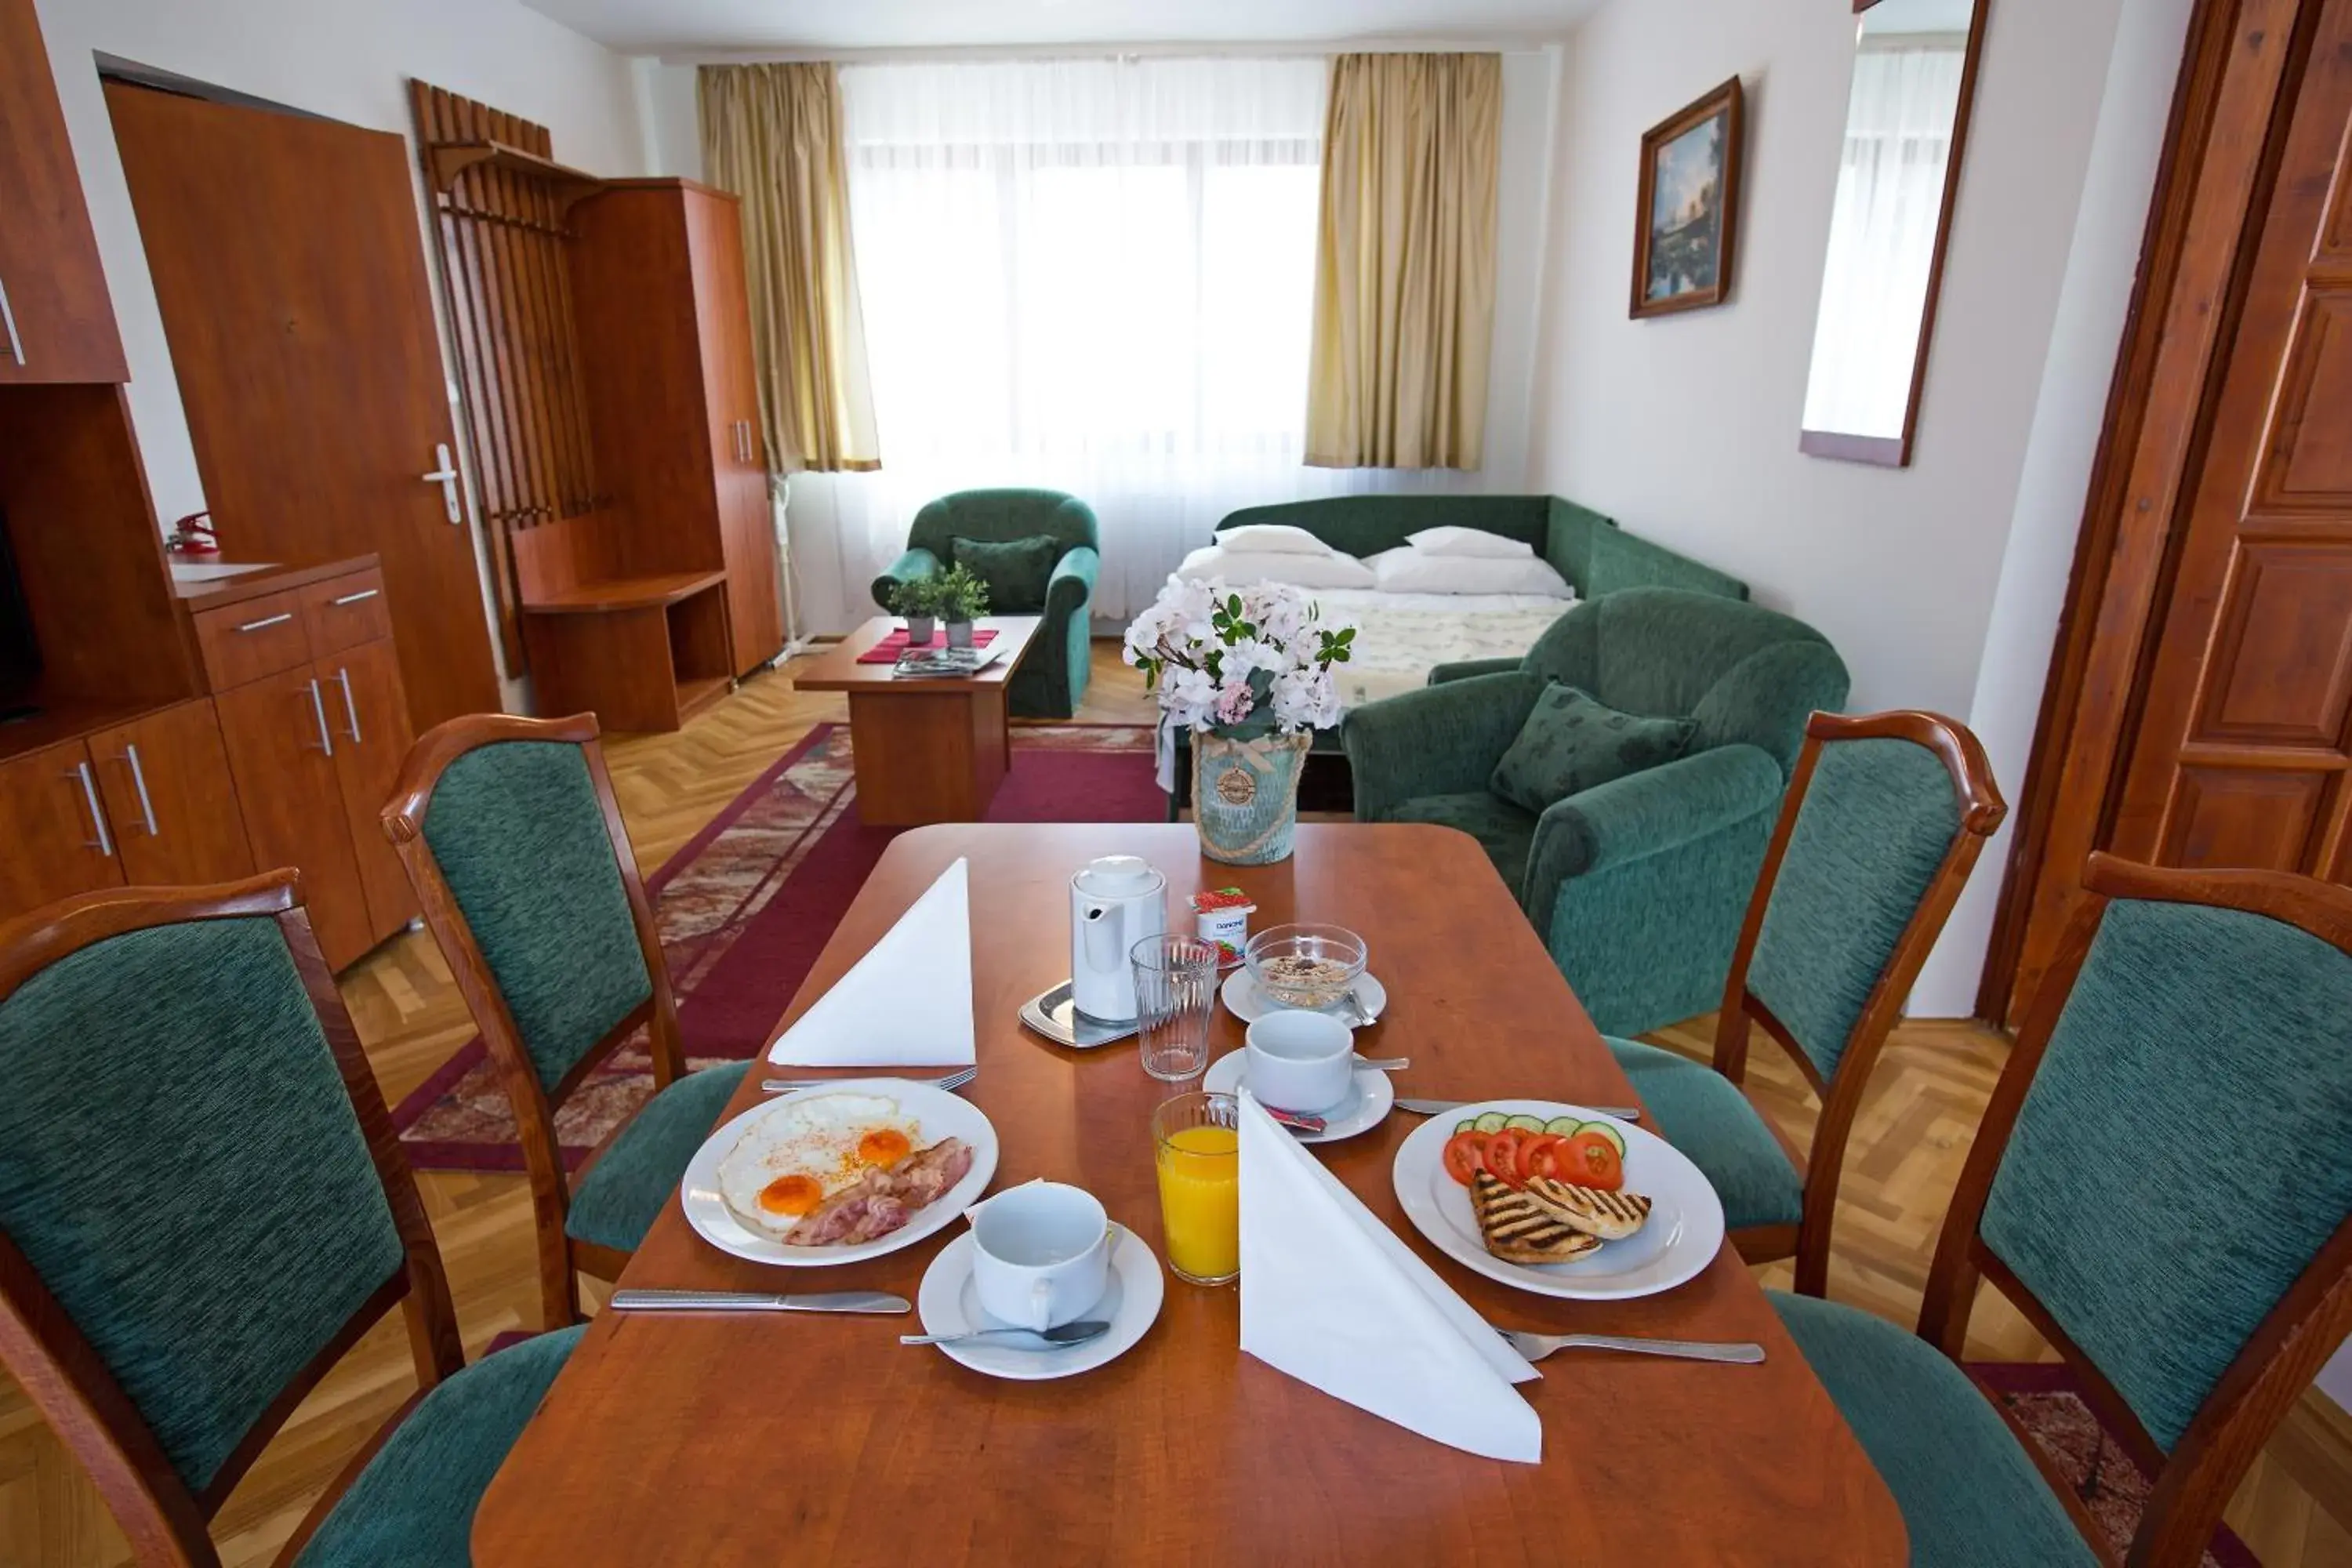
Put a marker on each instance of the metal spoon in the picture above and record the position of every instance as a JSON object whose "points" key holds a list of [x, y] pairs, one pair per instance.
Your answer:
{"points": [[1385, 1064], [1059, 1338]]}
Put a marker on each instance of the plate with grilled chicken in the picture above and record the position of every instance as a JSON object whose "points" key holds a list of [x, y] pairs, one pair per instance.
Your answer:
{"points": [[1559, 1200], [834, 1174]]}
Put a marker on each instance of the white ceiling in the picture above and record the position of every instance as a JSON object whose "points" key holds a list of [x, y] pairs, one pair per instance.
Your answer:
{"points": [[679, 27]]}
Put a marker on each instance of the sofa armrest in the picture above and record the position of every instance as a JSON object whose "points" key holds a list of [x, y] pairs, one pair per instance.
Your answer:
{"points": [[1441, 740], [1642, 814], [915, 563], [1072, 584], [1464, 669]]}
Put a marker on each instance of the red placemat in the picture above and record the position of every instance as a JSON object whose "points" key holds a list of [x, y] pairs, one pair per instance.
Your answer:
{"points": [[887, 650]]}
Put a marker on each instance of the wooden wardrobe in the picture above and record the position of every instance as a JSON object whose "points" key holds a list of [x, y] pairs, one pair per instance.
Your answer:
{"points": [[662, 313]]}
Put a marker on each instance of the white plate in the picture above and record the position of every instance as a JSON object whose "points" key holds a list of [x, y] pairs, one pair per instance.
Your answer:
{"points": [[937, 1114], [949, 1304], [1371, 1097], [1245, 1001], [1683, 1236]]}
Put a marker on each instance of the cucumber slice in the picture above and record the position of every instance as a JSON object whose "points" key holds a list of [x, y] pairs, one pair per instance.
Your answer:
{"points": [[1492, 1121], [1524, 1123], [1606, 1132], [1562, 1125], [1468, 1126]]}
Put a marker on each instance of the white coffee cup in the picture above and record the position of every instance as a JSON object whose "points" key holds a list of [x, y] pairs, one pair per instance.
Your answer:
{"points": [[1041, 1253], [1299, 1060]]}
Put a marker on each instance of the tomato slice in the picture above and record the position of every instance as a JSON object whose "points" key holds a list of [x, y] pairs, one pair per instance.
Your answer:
{"points": [[1591, 1160], [1503, 1157], [1465, 1156], [1542, 1156]]}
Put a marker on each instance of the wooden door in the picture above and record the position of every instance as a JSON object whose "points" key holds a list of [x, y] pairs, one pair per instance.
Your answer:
{"points": [[2246, 735], [286, 259], [280, 748], [369, 717], [747, 531], [57, 321], [165, 782], [58, 840]]}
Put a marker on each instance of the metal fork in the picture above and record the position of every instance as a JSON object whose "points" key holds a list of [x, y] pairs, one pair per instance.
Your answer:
{"points": [[956, 1080], [1535, 1347]]}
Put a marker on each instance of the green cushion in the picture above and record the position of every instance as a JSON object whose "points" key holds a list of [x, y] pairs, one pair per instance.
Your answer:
{"points": [[414, 1504], [1005, 513], [2186, 1148], [1015, 570], [520, 840], [1502, 829], [181, 1163], [1572, 743], [622, 1193], [1705, 1115], [1877, 820], [1970, 1495]]}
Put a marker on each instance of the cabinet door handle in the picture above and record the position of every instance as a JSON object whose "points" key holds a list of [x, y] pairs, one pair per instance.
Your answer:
{"points": [[351, 708], [8, 320], [102, 843], [319, 711], [139, 782], [355, 598], [267, 621]]}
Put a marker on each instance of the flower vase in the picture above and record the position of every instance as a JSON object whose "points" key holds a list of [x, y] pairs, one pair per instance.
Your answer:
{"points": [[1246, 795], [918, 631], [959, 633]]}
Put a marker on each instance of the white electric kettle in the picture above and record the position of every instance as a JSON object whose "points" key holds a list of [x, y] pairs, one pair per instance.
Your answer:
{"points": [[1115, 903]]}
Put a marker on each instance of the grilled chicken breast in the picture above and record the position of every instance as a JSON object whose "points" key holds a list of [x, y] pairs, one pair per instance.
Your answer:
{"points": [[1612, 1217], [1518, 1229]]}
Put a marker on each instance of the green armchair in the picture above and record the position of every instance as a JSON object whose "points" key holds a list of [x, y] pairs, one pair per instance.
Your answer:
{"points": [[1053, 676], [1637, 886]]}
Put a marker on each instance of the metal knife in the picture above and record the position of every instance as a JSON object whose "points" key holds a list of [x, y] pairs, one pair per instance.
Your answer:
{"points": [[749, 1301], [1440, 1107]]}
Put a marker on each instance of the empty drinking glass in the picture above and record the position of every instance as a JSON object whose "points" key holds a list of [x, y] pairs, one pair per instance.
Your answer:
{"points": [[1175, 989]]}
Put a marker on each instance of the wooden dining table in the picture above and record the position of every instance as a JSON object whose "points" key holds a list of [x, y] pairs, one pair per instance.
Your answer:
{"points": [[712, 1439]]}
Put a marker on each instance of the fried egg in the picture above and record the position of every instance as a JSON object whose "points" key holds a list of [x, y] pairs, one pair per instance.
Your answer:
{"points": [[804, 1151]]}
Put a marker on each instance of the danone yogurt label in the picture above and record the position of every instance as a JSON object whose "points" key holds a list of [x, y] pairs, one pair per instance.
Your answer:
{"points": [[1221, 916]]}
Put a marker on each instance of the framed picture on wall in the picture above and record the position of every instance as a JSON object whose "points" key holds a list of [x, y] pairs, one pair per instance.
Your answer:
{"points": [[1688, 213]]}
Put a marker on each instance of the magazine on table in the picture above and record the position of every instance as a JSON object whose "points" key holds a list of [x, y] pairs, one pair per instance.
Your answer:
{"points": [[930, 663]]}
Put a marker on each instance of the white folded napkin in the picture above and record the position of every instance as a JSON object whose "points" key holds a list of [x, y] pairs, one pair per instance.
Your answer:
{"points": [[908, 1002], [1331, 1298]]}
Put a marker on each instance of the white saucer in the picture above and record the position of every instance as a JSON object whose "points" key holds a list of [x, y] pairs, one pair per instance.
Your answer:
{"points": [[1370, 1100], [949, 1304], [1245, 1001]]}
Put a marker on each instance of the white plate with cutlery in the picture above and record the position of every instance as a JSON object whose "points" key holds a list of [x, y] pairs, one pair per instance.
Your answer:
{"points": [[1245, 1001], [1681, 1235], [948, 1303], [820, 1136]]}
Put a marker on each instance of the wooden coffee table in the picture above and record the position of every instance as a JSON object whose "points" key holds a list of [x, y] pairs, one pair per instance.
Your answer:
{"points": [[753, 1437], [927, 750]]}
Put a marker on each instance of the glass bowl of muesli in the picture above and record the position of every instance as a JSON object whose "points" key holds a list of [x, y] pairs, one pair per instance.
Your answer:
{"points": [[1305, 965]]}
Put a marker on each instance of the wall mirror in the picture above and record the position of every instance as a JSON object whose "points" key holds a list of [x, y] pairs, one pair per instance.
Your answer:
{"points": [[1906, 122]]}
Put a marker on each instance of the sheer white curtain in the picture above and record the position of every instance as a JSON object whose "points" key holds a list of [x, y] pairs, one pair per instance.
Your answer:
{"points": [[1898, 143], [1091, 275]]}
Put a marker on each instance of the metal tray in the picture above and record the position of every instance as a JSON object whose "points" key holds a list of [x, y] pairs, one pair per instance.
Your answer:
{"points": [[1052, 1015]]}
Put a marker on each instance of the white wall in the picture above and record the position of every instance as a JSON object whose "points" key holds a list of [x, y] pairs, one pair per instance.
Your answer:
{"points": [[1685, 429], [348, 59]]}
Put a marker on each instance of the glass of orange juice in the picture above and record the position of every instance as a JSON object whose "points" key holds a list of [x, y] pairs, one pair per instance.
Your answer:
{"points": [[1196, 1140]]}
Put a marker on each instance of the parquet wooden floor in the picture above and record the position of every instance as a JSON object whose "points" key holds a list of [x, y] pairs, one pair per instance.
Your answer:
{"points": [[1912, 1137]]}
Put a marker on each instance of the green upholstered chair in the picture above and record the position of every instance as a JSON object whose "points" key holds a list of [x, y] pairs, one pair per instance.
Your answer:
{"points": [[1054, 673], [511, 835], [2163, 1186], [1636, 884], [1883, 823], [202, 1206]]}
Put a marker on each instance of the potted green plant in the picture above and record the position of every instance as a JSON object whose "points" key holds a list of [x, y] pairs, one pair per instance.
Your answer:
{"points": [[963, 595], [916, 601]]}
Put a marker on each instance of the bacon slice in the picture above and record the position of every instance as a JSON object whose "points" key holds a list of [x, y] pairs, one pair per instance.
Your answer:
{"points": [[880, 1202]]}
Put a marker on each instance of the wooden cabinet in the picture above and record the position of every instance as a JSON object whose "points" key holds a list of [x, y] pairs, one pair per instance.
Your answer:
{"points": [[368, 714], [56, 322], [279, 751], [59, 843], [164, 782]]}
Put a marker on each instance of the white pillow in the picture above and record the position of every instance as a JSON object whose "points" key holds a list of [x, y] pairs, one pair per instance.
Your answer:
{"points": [[1470, 545], [1243, 568], [1405, 570], [1272, 539]]}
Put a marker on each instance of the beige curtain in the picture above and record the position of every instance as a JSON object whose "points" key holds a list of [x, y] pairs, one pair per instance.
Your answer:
{"points": [[1405, 269], [771, 135]]}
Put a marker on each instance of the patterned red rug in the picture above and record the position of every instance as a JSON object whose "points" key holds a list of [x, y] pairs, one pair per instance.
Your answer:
{"points": [[744, 909], [2047, 1400]]}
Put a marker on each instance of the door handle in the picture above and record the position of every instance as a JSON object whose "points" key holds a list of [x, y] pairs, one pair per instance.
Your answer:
{"points": [[319, 711], [139, 782], [102, 843], [8, 320], [444, 473], [351, 708]]}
